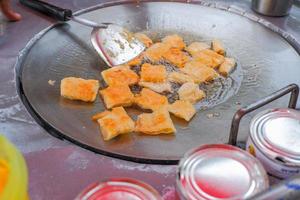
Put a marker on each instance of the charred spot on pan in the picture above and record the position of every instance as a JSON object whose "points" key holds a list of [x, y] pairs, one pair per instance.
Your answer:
{"points": [[136, 69], [136, 89]]}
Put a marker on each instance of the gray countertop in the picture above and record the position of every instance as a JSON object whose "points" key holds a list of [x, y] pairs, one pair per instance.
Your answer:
{"points": [[59, 169]]}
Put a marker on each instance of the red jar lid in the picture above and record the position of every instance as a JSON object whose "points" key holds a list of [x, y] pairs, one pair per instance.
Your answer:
{"points": [[119, 189], [220, 172]]}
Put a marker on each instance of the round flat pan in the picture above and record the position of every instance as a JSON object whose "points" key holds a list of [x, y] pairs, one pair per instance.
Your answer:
{"points": [[266, 59]]}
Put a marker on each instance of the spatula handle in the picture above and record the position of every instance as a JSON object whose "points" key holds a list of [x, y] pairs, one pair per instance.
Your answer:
{"points": [[48, 9]]}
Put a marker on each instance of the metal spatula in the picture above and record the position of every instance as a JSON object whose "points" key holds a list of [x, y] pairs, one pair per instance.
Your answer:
{"points": [[114, 43]]}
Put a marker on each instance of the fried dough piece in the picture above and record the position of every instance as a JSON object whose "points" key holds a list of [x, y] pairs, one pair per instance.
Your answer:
{"points": [[182, 109], [209, 58], [144, 39], [204, 59], [155, 123], [174, 41], [218, 47], [227, 66], [176, 57], [196, 47], [156, 51], [97, 116], [120, 75], [79, 89], [148, 99], [136, 61], [199, 72], [117, 95], [219, 59], [157, 87], [194, 63], [115, 122], [190, 92], [180, 78], [153, 73]]}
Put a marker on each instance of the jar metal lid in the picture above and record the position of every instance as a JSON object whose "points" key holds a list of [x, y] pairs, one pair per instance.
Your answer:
{"points": [[220, 171], [129, 189], [276, 133]]}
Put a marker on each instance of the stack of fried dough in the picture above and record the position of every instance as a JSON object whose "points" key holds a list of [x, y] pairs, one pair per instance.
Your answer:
{"points": [[195, 64]]}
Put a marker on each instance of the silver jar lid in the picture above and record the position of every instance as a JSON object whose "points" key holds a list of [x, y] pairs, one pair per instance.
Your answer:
{"points": [[220, 171], [276, 133]]}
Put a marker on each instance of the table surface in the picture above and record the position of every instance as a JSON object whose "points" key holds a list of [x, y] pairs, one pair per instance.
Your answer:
{"points": [[59, 169]]}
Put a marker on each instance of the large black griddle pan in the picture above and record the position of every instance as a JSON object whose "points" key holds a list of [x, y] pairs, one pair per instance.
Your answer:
{"points": [[268, 60]]}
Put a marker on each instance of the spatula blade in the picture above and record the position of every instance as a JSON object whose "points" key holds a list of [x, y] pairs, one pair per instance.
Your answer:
{"points": [[116, 45]]}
